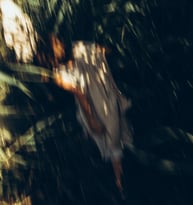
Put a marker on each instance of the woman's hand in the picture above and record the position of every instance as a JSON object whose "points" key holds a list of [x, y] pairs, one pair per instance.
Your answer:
{"points": [[66, 85], [65, 79]]}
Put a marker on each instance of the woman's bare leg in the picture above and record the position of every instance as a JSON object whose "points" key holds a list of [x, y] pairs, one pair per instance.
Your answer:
{"points": [[117, 167]]}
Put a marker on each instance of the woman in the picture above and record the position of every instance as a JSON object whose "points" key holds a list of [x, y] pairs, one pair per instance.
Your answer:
{"points": [[101, 106]]}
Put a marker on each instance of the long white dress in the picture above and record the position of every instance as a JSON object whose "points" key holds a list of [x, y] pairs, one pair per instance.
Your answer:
{"points": [[91, 74]]}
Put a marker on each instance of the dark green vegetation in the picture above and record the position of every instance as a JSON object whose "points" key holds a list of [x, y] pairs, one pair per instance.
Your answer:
{"points": [[150, 46]]}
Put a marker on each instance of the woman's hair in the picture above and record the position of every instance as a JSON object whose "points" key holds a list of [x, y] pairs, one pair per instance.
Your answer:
{"points": [[51, 51]]}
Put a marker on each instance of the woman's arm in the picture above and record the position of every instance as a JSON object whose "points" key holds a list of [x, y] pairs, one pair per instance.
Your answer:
{"points": [[65, 78], [94, 124], [66, 81]]}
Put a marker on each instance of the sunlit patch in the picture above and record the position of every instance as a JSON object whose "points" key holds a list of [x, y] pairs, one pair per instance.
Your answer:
{"points": [[87, 78], [93, 54], [82, 83], [93, 59], [18, 31], [66, 77], [104, 67], [5, 136], [101, 73], [79, 51], [4, 90], [25, 200], [105, 108], [71, 77]]}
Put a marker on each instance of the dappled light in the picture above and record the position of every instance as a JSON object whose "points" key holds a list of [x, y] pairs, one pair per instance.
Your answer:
{"points": [[54, 57]]}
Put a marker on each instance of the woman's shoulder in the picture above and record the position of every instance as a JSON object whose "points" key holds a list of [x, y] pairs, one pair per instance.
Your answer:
{"points": [[82, 48], [86, 43]]}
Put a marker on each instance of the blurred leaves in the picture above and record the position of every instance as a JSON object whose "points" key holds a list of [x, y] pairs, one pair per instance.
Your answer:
{"points": [[4, 90], [12, 81], [25, 140], [30, 70]]}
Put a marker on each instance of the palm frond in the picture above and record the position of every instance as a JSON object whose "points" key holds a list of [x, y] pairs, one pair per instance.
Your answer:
{"points": [[11, 80], [30, 69]]}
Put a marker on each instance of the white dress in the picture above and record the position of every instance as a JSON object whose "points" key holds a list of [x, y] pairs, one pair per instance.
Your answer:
{"points": [[91, 74]]}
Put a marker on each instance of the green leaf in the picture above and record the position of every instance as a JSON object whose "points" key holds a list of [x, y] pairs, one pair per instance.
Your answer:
{"points": [[30, 69], [11, 80]]}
